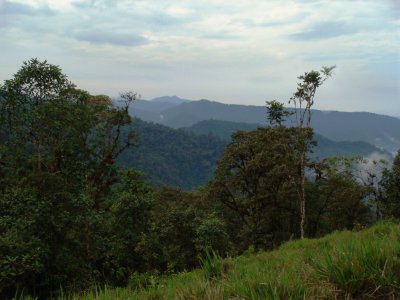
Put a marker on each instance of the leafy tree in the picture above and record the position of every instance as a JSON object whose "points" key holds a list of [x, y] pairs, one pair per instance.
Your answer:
{"points": [[254, 179], [57, 161], [23, 97], [130, 205], [390, 183], [276, 112], [303, 98], [53, 127], [336, 197]]}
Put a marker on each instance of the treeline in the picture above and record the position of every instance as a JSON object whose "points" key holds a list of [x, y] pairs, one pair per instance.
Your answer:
{"points": [[71, 218]]}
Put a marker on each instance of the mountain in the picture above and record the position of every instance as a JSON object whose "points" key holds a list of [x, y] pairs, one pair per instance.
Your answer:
{"points": [[222, 129], [190, 113], [379, 130], [325, 147], [170, 99], [187, 157], [151, 110]]}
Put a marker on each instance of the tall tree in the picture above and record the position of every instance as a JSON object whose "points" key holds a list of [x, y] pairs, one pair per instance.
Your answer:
{"points": [[24, 96], [303, 100], [253, 179], [57, 165]]}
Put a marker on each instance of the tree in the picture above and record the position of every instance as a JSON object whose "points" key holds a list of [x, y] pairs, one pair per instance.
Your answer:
{"points": [[336, 197], [390, 183], [130, 205], [254, 179], [23, 97], [64, 130], [276, 113], [57, 165], [303, 100]]}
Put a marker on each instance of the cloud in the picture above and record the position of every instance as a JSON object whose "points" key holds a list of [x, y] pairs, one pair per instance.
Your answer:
{"points": [[220, 35], [395, 5], [273, 21], [12, 8], [215, 49], [324, 30], [95, 4], [164, 20], [111, 38]]}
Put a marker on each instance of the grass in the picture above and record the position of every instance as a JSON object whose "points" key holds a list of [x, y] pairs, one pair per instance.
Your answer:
{"points": [[342, 265]]}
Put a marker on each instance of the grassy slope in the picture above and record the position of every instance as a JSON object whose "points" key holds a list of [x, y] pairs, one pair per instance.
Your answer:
{"points": [[342, 265]]}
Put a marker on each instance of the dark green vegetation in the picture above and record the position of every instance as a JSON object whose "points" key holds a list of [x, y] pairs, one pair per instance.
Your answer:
{"points": [[343, 265], [72, 219], [172, 156]]}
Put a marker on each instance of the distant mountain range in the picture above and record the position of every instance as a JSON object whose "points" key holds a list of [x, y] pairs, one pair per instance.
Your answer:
{"points": [[379, 130]]}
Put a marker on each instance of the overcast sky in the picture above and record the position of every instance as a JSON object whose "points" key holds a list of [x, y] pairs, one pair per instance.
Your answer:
{"points": [[236, 51]]}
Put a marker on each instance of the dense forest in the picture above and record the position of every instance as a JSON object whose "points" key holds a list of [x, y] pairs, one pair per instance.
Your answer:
{"points": [[168, 156], [72, 218]]}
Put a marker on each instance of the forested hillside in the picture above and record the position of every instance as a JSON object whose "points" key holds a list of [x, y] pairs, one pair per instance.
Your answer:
{"points": [[378, 130], [171, 156], [324, 147], [187, 157], [72, 218]]}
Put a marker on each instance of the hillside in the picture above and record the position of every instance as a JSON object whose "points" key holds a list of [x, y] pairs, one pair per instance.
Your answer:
{"points": [[187, 157], [378, 130], [172, 156], [325, 147], [342, 265]]}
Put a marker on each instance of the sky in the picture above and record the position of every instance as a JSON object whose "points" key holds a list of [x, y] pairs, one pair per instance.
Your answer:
{"points": [[236, 51]]}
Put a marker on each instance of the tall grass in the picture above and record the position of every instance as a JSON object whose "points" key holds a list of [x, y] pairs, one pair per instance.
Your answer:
{"points": [[364, 267], [343, 265]]}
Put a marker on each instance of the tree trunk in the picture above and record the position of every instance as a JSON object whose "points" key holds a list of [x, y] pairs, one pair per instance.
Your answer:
{"points": [[302, 197]]}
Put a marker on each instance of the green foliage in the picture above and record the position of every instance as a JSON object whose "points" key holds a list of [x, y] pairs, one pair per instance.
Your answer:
{"points": [[57, 161], [129, 222], [303, 98], [390, 183], [186, 228], [71, 219], [324, 147], [212, 235], [254, 179], [46, 239], [172, 157], [365, 262], [337, 199], [276, 112]]}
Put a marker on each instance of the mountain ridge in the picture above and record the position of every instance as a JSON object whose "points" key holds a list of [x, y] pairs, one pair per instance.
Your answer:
{"points": [[186, 159], [379, 130]]}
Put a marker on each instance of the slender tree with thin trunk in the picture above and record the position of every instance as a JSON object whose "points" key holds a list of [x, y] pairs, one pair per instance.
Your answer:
{"points": [[303, 100]]}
